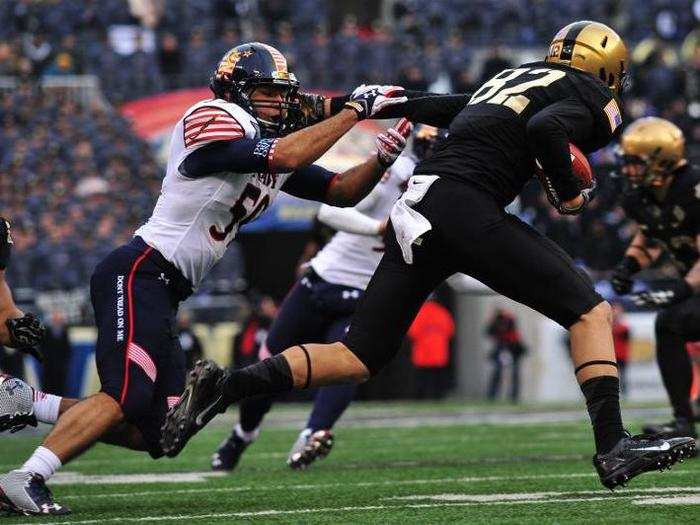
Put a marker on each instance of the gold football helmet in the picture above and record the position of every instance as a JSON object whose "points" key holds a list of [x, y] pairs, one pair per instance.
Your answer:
{"points": [[652, 149], [593, 47]]}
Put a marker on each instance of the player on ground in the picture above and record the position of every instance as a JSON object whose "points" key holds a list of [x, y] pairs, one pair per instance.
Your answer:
{"points": [[452, 219], [664, 200], [321, 303], [229, 157]]}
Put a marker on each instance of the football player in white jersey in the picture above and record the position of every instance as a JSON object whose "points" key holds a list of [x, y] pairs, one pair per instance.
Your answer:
{"points": [[229, 157], [321, 303]]}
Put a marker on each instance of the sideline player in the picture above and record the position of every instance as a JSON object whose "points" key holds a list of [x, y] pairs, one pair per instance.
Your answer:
{"points": [[452, 219], [229, 157], [321, 303], [664, 200]]}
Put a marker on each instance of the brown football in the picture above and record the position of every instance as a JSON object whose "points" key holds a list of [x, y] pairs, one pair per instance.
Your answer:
{"points": [[579, 163]]}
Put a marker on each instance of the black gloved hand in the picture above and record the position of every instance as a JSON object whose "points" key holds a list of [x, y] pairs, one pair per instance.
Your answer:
{"points": [[588, 195], [5, 243], [621, 280], [665, 295], [26, 333]]}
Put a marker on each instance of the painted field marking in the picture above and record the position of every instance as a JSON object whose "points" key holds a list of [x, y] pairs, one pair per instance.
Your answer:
{"points": [[317, 486], [535, 496], [367, 508]]}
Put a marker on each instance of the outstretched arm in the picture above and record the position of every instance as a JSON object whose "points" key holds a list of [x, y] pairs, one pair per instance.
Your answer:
{"points": [[351, 186], [421, 107]]}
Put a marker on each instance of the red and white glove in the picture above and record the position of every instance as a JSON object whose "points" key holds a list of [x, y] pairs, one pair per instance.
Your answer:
{"points": [[392, 142]]}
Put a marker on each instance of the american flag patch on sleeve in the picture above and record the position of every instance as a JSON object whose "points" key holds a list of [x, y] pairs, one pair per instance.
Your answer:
{"points": [[612, 111], [207, 124]]}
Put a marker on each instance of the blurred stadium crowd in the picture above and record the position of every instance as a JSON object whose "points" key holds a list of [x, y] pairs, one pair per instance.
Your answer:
{"points": [[75, 180]]}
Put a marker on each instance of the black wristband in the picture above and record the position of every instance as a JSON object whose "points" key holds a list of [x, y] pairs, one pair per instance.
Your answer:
{"points": [[630, 265], [337, 104]]}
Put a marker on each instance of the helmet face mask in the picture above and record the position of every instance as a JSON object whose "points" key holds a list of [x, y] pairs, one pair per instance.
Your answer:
{"points": [[246, 68]]}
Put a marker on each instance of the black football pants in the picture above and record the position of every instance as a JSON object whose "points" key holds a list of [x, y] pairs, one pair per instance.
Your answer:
{"points": [[471, 233]]}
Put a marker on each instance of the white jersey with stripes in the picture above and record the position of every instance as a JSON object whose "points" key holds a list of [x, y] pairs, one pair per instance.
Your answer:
{"points": [[351, 259], [195, 219]]}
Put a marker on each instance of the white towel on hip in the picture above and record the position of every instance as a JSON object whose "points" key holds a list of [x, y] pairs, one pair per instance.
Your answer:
{"points": [[408, 224]]}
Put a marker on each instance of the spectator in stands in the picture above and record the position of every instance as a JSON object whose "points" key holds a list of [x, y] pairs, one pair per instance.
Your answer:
{"points": [[508, 349], [248, 345], [430, 336]]}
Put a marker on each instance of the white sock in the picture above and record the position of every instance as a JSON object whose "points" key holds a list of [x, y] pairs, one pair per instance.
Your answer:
{"points": [[248, 437], [43, 462], [46, 406]]}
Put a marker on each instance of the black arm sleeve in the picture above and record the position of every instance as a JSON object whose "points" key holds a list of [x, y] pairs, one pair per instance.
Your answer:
{"points": [[549, 132], [240, 156], [421, 107], [310, 183]]}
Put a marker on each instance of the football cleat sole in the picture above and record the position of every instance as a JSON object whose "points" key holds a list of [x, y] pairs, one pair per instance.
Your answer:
{"points": [[318, 446], [198, 405]]}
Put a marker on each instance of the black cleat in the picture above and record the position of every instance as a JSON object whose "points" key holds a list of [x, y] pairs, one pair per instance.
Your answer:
{"points": [[200, 402], [677, 428], [23, 492], [634, 455], [308, 448], [229, 454]]}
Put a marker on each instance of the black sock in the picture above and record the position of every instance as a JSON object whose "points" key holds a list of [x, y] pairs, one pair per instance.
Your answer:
{"points": [[603, 402], [270, 376], [252, 411]]}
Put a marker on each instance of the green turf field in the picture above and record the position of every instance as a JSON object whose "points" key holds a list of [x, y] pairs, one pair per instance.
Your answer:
{"points": [[382, 471]]}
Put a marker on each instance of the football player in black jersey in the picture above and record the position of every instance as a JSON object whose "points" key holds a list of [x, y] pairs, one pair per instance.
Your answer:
{"points": [[17, 329], [664, 200], [452, 219]]}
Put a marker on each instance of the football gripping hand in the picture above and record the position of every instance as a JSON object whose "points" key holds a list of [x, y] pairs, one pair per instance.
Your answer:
{"points": [[5, 243], [26, 333], [672, 293], [370, 100], [588, 194], [621, 280], [391, 143]]}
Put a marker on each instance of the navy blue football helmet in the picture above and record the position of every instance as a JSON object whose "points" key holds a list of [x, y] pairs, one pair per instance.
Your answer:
{"points": [[249, 66]]}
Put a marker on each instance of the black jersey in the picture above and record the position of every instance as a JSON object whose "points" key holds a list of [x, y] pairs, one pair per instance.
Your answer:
{"points": [[492, 142], [674, 222]]}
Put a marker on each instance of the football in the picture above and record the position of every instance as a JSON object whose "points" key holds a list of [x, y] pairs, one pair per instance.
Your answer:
{"points": [[16, 397], [579, 163]]}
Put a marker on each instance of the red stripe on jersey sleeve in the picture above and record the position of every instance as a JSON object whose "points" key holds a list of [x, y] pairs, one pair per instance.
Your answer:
{"points": [[210, 123]]}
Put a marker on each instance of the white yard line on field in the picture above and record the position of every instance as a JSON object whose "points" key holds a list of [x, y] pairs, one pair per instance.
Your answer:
{"points": [[367, 508], [317, 486]]}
